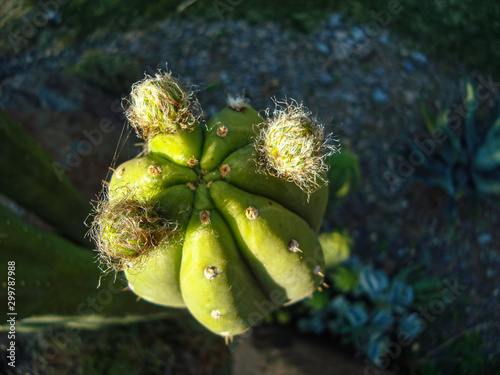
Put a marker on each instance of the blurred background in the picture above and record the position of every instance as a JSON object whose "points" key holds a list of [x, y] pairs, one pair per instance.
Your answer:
{"points": [[410, 88]]}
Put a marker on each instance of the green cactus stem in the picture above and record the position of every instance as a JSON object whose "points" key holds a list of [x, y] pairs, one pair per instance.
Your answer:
{"points": [[58, 280], [32, 178], [227, 131], [223, 239]]}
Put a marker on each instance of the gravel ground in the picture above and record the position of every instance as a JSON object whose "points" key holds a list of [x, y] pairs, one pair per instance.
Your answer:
{"points": [[366, 90]]}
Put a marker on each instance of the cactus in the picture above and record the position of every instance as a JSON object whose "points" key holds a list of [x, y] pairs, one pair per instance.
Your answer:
{"points": [[32, 178], [221, 219], [56, 281]]}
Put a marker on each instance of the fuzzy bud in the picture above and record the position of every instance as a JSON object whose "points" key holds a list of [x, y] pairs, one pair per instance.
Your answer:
{"points": [[162, 104], [125, 231], [292, 146]]}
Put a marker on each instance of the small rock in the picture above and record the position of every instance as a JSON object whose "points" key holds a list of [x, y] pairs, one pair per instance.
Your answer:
{"points": [[403, 52], [384, 37], [379, 71], [483, 238], [357, 33], [419, 57], [349, 97], [408, 66], [335, 20], [224, 76], [490, 272], [410, 97], [323, 48], [379, 96], [340, 34], [342, 50], [53, 17], [446, 258], [325, 77]]}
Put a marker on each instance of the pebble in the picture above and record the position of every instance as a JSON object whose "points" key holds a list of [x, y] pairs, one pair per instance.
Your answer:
{"points": [[340, 34], [379, 71], [483, 238], [224, 76], [410, 97], [325, 77], [335, 20], [379, 96], [408, 66], [357, 33], [384, 37], [490, 272], [419, 57], [323, 48]]}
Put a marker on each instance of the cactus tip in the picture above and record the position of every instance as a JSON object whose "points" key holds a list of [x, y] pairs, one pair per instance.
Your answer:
{"points": [[162, 104], [125, 231], [292, 146], [237, 103]]}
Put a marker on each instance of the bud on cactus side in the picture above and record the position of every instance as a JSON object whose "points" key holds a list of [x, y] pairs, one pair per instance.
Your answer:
{"points": [[221, 219]]}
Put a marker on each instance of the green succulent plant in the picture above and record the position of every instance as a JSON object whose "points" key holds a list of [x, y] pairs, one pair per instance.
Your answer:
{"points": [[366, 308], [466, 162], [221, 219]]}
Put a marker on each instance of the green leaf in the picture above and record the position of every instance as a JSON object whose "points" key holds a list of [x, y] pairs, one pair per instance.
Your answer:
{"points": [[34, 180], [470, 128], [344, 175], [488, 155], [345, 278], [336, 246]]}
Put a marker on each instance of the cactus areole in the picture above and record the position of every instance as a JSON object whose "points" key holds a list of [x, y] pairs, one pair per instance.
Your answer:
{"points": [[203, 220]]}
